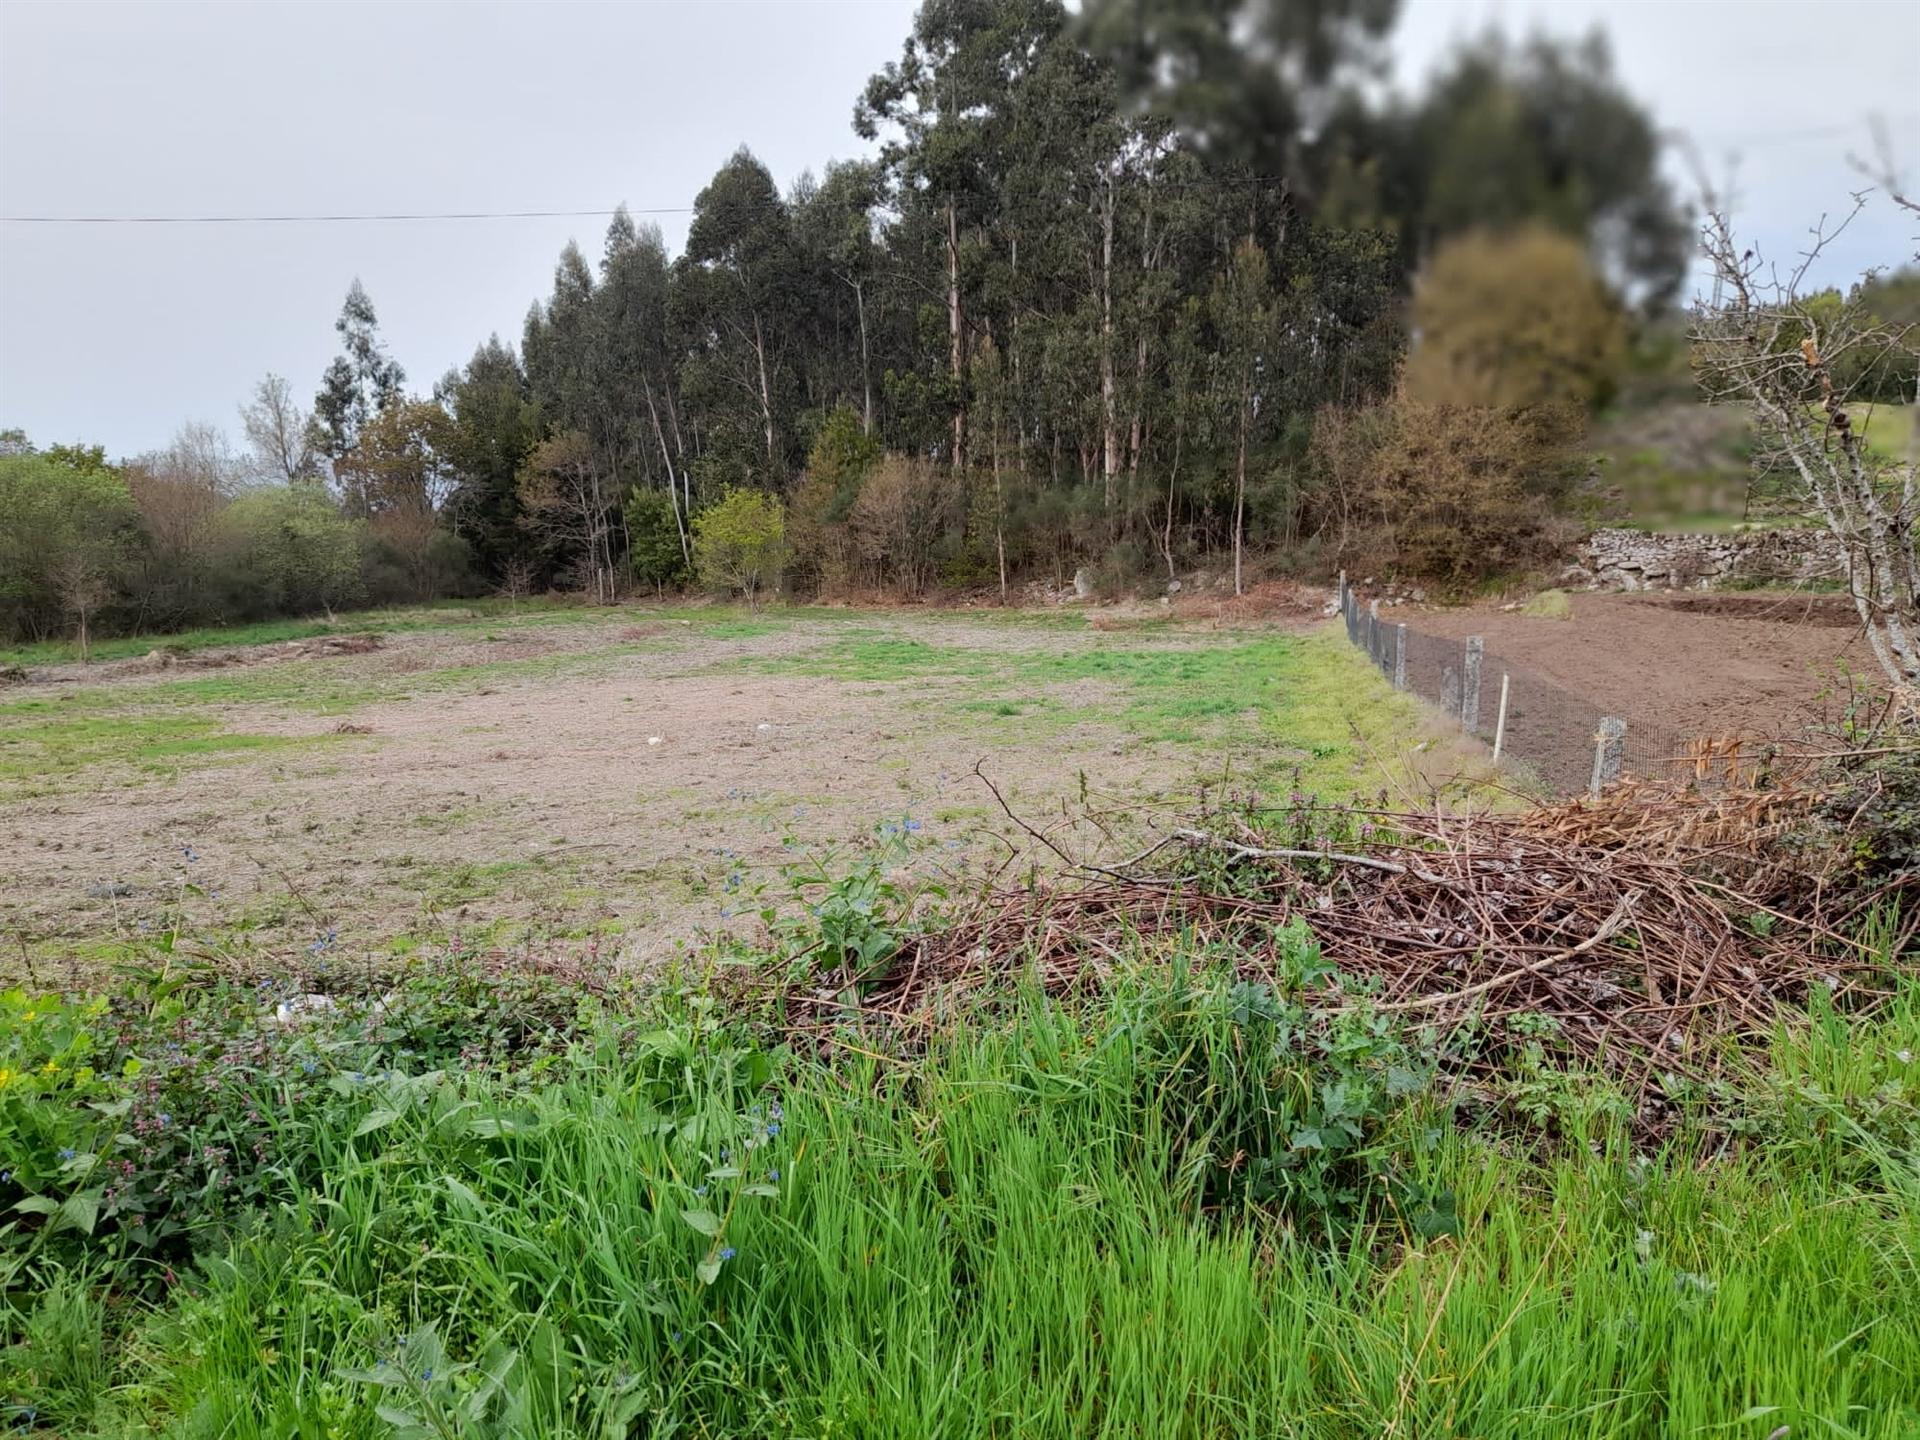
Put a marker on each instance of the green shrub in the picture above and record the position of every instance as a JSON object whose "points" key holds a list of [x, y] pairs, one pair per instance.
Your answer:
{"points": [[740, 543]]}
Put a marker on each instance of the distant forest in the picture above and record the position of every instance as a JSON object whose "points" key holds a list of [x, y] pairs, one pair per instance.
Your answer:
{"points": [[1126, 292]]}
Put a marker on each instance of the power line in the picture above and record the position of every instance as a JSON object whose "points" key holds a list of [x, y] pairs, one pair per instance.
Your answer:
{"points": [[331, 219]]}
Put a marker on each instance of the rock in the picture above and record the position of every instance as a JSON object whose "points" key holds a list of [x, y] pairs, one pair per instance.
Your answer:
{"points": [[302, 1007], [116, 890], [1173, 587], [1637, 560], [1418, 595], [653, 739], [1083, 583], [763, 727]]}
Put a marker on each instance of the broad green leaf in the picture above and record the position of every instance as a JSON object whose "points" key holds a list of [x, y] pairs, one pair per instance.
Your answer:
{"points": [[375, 1120], [705, 1221]]}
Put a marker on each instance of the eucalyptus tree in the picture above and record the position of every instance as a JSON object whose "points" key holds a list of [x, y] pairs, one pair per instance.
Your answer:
{"points": [[639, 363], [944, 109], [735, 291], [495, 425], [359, 383], [834, 227]]}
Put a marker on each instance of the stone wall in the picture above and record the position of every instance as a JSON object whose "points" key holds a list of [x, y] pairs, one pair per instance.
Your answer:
{"points": [[1636, 560]]}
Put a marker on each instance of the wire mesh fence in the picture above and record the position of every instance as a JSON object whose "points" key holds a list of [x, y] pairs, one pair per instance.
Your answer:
{"points": [[1562, 740]]}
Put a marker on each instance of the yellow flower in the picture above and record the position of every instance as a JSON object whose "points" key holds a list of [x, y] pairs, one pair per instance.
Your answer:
{"points": [[6, 1077], [50, 1068]]}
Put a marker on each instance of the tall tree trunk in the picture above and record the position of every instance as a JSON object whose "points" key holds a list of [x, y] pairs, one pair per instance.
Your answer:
{"points": [[766, 391], [1173, 479], [1240, 487], [956, 334], [999, 508], [1109, 420], [1136, 429], [866, 364], [679, 520]]}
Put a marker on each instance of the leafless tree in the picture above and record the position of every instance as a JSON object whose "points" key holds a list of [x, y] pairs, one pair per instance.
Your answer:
{"points": [[1772, 347], [516, 582], [199, 455], [82, 585], [277, 430], [1882, 168], [566, 497], [904, 508]]}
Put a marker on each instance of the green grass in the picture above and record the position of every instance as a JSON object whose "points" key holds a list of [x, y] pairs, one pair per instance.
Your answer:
{"points": [[1887, 429], [398, 620], [40, 751], [1022, 1235], [1305, 702], [1549, 605]]}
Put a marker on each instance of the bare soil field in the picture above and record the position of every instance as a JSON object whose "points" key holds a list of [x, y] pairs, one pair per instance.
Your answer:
{"points": [[623, 780], [1752, 664]]}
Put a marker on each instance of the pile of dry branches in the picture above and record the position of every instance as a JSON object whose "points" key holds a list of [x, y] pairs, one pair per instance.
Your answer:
{"points": [[1651, 926]]}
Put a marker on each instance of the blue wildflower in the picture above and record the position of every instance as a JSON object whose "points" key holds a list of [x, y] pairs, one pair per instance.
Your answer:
{"points": [[773, 1128], [773, 1176], [68, 1153], [727, 1252]]}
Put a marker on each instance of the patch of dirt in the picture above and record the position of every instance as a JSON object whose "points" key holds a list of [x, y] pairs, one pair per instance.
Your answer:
{"points": [[319, 648], [1835, 611], [1725, 664], [650, 796]]}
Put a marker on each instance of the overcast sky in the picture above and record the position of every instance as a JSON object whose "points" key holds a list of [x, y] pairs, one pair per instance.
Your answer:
{"points": [[118, 333]]}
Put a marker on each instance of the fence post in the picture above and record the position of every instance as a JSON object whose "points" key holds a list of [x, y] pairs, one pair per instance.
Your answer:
{"points": [[1470, 685], [1609, 749], [1400, 656], [1373, 632], [1500, 725]]}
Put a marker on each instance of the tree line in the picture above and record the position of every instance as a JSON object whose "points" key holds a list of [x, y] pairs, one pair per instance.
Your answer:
{"points": [[1126, 292]]}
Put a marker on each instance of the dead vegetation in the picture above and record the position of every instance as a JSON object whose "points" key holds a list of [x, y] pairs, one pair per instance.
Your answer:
{"points": [[320, 647], [1645, 934]]}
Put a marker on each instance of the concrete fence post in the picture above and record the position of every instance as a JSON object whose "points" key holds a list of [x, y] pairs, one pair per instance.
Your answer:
{"points": [[1609, 750], [1373, 630], [1500, 725], [1400, 656], [1470, 684]]}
